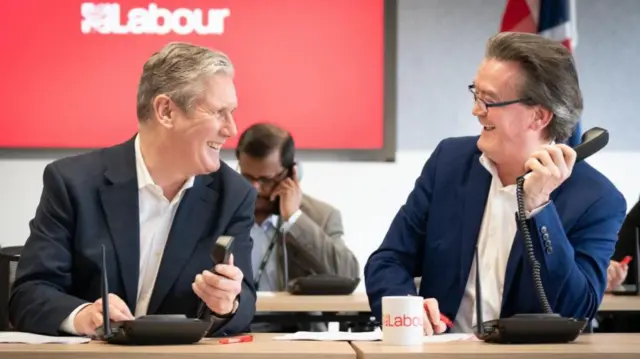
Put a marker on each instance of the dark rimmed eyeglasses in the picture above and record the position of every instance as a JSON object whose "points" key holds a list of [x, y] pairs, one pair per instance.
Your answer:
{"points": [[484, 105], [266, 182]]}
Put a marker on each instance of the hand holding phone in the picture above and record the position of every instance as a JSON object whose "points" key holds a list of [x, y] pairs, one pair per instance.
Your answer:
{"points": [[220, 287], [287, 196], [550, 166]]}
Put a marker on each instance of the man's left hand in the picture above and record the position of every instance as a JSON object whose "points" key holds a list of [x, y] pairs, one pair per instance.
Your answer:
{"points": [[219, 290], [290, 195], [550, 166]]}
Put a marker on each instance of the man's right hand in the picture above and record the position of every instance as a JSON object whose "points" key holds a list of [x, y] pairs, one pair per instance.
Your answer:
{"points": [[90, 317], [431, 320], [616, 274]]}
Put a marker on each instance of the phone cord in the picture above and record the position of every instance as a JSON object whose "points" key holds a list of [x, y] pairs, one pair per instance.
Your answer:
{"points": [[528, 243]]}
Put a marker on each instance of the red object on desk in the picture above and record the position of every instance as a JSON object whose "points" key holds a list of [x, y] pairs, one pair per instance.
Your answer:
{"points": [[627, 260], [443, 318], [446, 321], [240, 339]]}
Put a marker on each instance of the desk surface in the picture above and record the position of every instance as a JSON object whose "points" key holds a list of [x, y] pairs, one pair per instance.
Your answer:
{"points": [[620, 303], [358, 302], [587, 346], [262, 347], [285, 302]]}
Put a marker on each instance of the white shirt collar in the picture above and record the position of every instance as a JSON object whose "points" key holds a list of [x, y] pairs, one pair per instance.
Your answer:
{"points": [[143, 175], [490, 166], [271, 221]]}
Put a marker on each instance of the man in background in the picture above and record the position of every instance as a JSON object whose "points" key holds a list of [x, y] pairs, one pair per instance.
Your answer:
{"points": [[156, 203], [527, 100], [286, 220]]}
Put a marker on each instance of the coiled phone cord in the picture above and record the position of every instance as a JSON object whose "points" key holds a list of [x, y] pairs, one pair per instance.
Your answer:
{"points": [[528, 243]]}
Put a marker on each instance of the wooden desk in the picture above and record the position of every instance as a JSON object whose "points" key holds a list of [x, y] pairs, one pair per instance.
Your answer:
{"points": [[613, 303], [263, 347], [285, 302], [596, 346], [358, 302]]}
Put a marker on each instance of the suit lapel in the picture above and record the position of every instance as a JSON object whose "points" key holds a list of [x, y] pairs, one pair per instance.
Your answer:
{"points": [[120, 203], [191, 220], [475, 193]]}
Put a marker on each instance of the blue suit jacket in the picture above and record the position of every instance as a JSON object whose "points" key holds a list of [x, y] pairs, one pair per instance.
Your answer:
{"points": [[434, 235], [91, 200]]}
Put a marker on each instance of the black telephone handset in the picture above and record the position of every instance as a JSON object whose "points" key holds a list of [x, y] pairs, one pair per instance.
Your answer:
{"points": [[221, 250], [220, 254], [591, 142], [162, 329], [276, 201], [534, 328]]}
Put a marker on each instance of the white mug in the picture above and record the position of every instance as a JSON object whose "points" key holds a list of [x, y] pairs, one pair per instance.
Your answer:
{"points": [[402, 320]]}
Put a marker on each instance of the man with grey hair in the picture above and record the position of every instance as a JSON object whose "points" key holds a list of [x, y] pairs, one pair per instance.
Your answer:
{"points": [[156, 203], [527, 99]]}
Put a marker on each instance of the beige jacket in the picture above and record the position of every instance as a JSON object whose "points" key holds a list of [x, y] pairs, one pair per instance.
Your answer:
{"points": [[315, 244]]}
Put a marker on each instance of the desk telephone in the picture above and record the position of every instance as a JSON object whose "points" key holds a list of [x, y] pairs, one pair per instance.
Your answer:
{"points": [[158, 329]]}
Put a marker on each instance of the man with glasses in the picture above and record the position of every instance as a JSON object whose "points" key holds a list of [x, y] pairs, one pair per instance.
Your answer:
{"points": [[294, 235], [527, 99]]}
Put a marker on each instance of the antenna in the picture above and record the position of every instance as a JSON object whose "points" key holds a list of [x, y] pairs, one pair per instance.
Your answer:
{"points": [[637, 260], [105, 296], [479, 320]]}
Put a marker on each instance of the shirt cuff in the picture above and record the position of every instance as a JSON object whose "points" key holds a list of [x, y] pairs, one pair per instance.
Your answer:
{"points": [[292, 220], [536, 211], [67, 325]]}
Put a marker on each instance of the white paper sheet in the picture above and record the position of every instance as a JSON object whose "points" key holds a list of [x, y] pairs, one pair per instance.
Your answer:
{"points": [[265, 294], [367, 336], [28, 338]]}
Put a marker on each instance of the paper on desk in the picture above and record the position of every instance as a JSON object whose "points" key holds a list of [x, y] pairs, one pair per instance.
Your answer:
{"points": [[28, 338], [367, 336], [265, 294]]}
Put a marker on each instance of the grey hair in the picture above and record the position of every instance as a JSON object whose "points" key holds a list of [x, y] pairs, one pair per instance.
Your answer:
{"points": [[178, 71], [550, 77]]}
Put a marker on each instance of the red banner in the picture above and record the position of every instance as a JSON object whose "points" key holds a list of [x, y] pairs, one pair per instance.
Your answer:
{"points": [[70, 69]]}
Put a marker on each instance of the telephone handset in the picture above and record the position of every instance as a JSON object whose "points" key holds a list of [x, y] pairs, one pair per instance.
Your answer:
{"points": [[276, 201], [546, 327], [592, 141], [220, 254]]}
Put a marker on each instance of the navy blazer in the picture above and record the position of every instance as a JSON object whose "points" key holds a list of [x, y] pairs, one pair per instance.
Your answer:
{"points": [[434, 236], [92, 199]]}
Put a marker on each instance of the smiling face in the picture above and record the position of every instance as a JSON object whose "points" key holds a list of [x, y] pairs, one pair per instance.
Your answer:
{"points": [[509, 132], [196, 136]]}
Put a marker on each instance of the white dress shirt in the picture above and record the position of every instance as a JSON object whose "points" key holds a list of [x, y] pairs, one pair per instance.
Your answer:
{"points": [[262, 235], [156, 217], [495, 240]]}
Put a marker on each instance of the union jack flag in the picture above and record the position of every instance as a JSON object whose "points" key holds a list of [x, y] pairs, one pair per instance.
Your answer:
{"points": [[554, 19]]}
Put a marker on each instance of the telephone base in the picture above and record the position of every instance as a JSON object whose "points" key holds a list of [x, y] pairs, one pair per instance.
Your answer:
{"points": [[531, 329], [155, 330]]}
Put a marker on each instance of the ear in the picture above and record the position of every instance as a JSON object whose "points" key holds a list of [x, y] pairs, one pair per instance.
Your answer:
{"points": [[163, 110], [542, 118]]}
